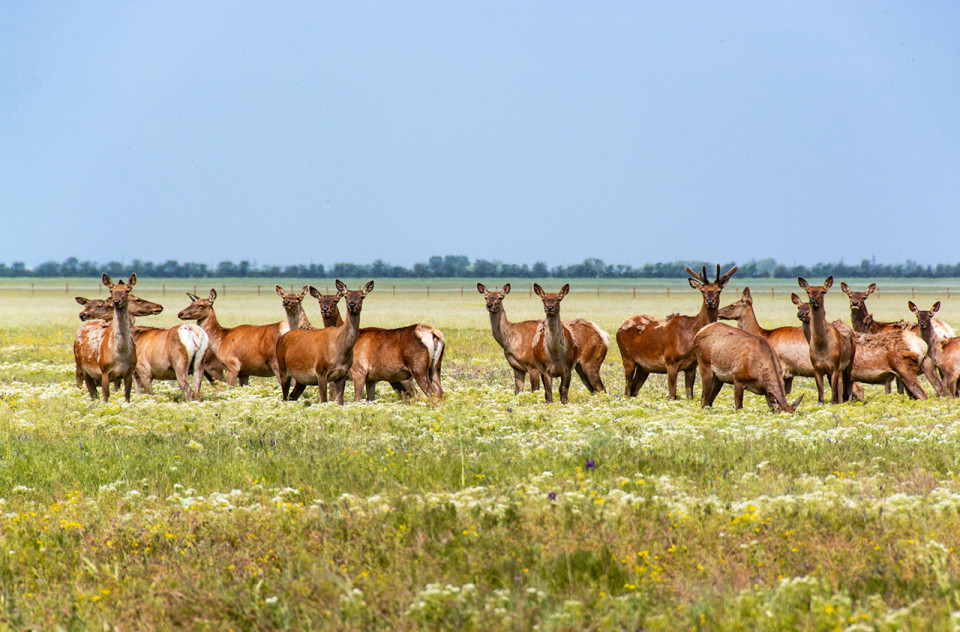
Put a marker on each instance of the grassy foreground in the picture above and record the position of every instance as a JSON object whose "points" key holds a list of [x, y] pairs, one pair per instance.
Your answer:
{"points": [[489, 510]]}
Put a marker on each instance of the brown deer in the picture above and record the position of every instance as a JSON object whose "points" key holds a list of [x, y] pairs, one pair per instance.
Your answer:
{"points": [[831, 352], [592, 346], [172, 353], [864, 323], [95, 317], [293, 306], [399, 356], [945, 352], [727, 355], [243, 350], [554, 347], [321, 356], [116, 356], [516, 339], [803, 315], [651, 345], [788, 343]]}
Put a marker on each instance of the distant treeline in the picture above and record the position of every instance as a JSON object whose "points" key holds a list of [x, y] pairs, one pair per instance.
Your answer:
{"points": [[461, 266]]}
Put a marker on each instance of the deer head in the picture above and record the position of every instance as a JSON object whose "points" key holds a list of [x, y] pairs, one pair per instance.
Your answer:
{"points": [[551, 302], [924, 317], [858, 300], [199, 308], [494, 299], [119, 292], [803, 309], [710, 290], [328, 302], [291, 302], [353, 298], [96, 308], [816, 292], [734, 310]]}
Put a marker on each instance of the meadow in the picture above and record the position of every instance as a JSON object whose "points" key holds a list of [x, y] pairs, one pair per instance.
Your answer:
{"points": [[486, 511]]}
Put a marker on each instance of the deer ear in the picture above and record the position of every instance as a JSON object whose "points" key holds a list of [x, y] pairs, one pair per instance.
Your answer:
{"points": [[796, 300], [506, 289], [935, 308], [697, 285], [828, 283], [802, 282], [538, 290], [845, 288], [107, 281], [303, 291], [132, 280], [746, 295], [213, 294], [564, 290], [341, 287], [367, 288], [481, 288], [81, 300], [192, 297], [793, 406], [315, 293], [871, 288], [912, 306], [280, 291]]}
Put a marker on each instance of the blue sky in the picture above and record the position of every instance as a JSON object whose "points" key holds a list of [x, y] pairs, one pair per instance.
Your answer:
{"points": [[516, 131]]}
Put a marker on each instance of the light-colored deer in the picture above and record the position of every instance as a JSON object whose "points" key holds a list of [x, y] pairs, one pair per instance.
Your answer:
{"points": [[321, 356], [652, 345], [243, 350], [727, 355], [554, 347], [96, 316], [293, 306], [831, 352], [945, 352], [399, 356], [116, 356]]}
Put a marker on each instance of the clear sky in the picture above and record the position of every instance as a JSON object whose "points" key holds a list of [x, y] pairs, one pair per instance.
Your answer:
{"points": [[520, 131]]}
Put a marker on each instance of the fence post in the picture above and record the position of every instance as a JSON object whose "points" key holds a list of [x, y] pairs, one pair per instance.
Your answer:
{"points": [[913, 293], [598, 291], [668, 291], [163, 289], [634, 291], [68, 289], [224, 289], [771, 292], [31, 288], [194, 289], [461, 291], [428, 291], [531, 291], [100, 289], [258, 289], [394, 290]]}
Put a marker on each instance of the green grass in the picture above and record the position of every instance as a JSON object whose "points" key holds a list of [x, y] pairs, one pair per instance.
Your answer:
{"points": [[245, 512]]}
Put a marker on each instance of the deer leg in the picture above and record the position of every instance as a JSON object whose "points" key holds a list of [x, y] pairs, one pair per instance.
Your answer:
{"points": [[818, 379], [243, 380], [371, 388], [887, 386], [706, 384], [929, 369], [518, 376], [144, 378], [565, 386], [629, 370], [672, 370], [787, 384], [737, 395], [900, 387], [127, 384], [689, 377], [322, 386], [534, 381], [913, 387], [584, 378], [91, 386], [298, 389], [547, 388], [359, 381], [105, 385], [847, 379], [423, 381], [835, 395], [341, 384]]}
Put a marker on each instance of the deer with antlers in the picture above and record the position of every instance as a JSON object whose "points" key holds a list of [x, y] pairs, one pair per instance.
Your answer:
{"points": [[652, 345], [788, 343], [401, 356], [116, 355], [321, 356], [244, 350], [554, 347], [831, 352], [943, 351], [727, 355]]}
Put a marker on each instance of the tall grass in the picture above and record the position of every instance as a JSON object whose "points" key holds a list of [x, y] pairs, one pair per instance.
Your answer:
{"points": [[488, 510]]}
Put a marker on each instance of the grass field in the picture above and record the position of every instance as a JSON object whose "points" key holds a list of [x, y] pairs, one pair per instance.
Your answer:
{"points": [[486, 511]]}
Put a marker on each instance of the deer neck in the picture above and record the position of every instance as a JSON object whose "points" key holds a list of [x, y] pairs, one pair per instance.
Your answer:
{"points": [[347, 336], [819, 330], [213, 329], [333, 320], [858, 317], [934, 343], [503, 329], [298, 319], [747, 321], [122, 328], [706, 316], [554, 340]]}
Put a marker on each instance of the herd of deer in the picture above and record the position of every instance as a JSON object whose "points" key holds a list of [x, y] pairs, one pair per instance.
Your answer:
{"points": [[110, 348]]}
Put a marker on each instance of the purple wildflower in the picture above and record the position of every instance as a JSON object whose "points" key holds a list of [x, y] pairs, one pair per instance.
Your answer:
{"points": [[590, 464], [552, 495]]}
